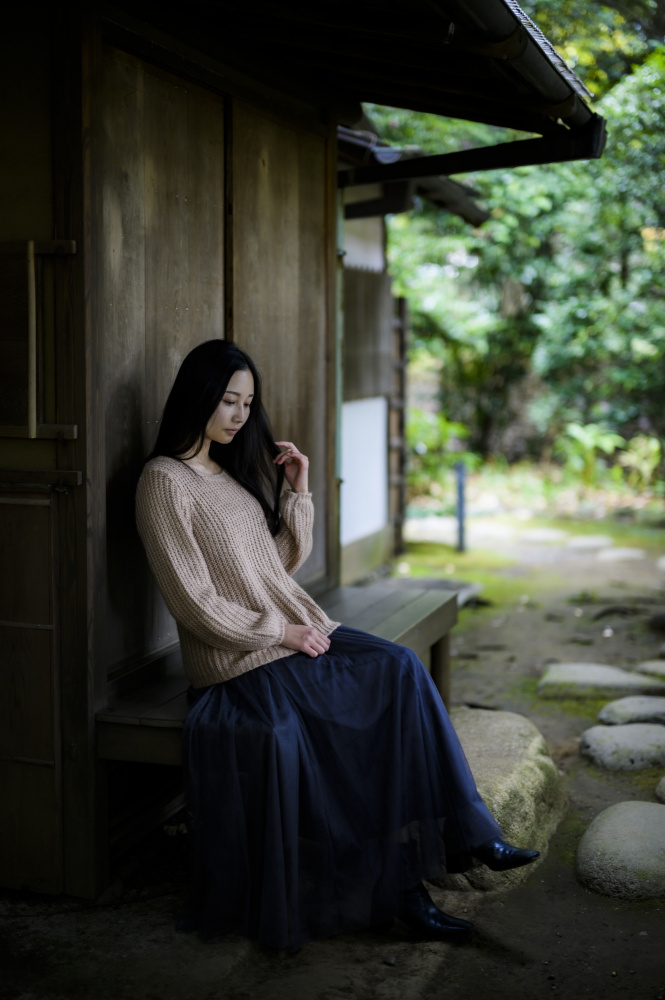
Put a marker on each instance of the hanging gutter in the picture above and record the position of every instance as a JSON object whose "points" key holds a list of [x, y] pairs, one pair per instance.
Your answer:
{"points": [[518, 48], [529, 55]]}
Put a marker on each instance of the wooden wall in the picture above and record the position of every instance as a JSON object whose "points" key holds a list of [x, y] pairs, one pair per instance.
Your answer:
{"points": [[30, 763], [26, 213], [130, 162], [280, 287], [159, 168], [368, 334], [30, 738]]}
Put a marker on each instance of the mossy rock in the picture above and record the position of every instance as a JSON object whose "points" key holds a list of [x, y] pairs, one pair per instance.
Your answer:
{"points": [[518, 780]]}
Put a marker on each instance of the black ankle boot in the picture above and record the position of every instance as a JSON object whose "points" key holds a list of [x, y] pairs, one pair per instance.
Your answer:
{"points": [[501, 856], [427, 920]]}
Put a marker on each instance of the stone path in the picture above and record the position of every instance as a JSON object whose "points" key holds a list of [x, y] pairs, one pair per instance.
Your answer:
{"points": [[622, 853]]}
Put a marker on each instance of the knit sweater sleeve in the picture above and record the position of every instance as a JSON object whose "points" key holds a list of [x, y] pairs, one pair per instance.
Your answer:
{"points": [[294, 538], [163, 516]]}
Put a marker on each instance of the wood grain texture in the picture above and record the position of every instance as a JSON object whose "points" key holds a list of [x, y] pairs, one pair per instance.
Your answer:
{"points": [[161, 252], [280, 275], [27, 696], [30, 832], [368, 334]]}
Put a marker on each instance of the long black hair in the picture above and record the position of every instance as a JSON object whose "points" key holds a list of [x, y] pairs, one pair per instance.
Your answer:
{"points": [[199, 386]]}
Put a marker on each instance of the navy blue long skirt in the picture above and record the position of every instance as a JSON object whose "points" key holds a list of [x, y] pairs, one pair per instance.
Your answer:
{"points": [[321, 788]]}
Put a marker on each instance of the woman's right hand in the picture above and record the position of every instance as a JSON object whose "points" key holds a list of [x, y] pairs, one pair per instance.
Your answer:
{"points": [[306, 639]]}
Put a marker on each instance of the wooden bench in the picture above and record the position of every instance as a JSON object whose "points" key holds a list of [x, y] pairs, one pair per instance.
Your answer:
{"points": [[145, 726]]}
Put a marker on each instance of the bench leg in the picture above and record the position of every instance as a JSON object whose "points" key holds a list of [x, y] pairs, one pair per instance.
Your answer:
{"points": [[440, 667]]}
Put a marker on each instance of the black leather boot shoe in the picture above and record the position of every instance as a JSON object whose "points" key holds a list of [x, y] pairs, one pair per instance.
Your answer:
{"points": [[427, 920], [501, 856]]}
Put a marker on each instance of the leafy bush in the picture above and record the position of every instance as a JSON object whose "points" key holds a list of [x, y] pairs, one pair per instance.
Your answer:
{"points": [[579, 448], [434, 445], [642, 458]]}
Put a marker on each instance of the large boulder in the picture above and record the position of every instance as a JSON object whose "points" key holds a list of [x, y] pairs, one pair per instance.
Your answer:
{"points": [[640, 708], [595, 680], [625, 748], [518, 780], [622, 853]]}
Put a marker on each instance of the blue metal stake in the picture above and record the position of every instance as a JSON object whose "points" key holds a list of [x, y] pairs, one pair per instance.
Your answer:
{"points": [[461, 474]]}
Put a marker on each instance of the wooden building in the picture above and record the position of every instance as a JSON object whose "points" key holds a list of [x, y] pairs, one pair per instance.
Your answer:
{"points": [[169, 174], [372, 477]]}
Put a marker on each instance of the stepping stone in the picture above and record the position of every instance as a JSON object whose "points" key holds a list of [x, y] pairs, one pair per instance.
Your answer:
{"points": [[543, 535], [625, 748], [622, 852], [518, 780], [595, 680], [589, 542], [629, 710], [660, 790], [654, 668], [620, 555]]}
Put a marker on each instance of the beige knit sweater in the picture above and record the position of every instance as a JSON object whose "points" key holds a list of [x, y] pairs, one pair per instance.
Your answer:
{"points": [[224, 577]]}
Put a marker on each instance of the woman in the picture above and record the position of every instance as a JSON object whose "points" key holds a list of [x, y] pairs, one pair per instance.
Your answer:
{"points": [[324, 777]]}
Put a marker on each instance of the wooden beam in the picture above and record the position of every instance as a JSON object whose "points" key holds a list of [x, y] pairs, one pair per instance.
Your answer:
{"points": [[582, 144], [41, 247], [46, 477]]}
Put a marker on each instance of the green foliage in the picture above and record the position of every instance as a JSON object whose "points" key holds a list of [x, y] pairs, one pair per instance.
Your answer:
{"points": [[579, 446], [565, 283], [602, 319], [641, 458], [599, 41], [434, 445]]}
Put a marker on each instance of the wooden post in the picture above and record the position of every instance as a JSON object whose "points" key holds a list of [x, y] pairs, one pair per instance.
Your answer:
{"points": [[440, 667]]}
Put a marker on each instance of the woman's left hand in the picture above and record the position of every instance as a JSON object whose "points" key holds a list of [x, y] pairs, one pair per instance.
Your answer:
{"points": [[296, 466]]}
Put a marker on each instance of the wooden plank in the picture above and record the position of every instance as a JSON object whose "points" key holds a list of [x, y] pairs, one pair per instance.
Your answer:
{"points": [[151, 697], [280, 284], [342, 603], [25, 541], [206, 209], [171, 713], [440, 667], [423, 621], [30, 834], [383, 611], [44, 477], [59, 247], [142, 744], [368, 334], [120, 353], [26, 693]]}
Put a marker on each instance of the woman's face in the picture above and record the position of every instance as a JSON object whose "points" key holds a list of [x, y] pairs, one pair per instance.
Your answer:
{"points": [[233, 409]]}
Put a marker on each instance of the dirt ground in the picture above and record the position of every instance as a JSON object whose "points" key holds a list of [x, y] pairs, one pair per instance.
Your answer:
{"points": [[549, 937]]}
